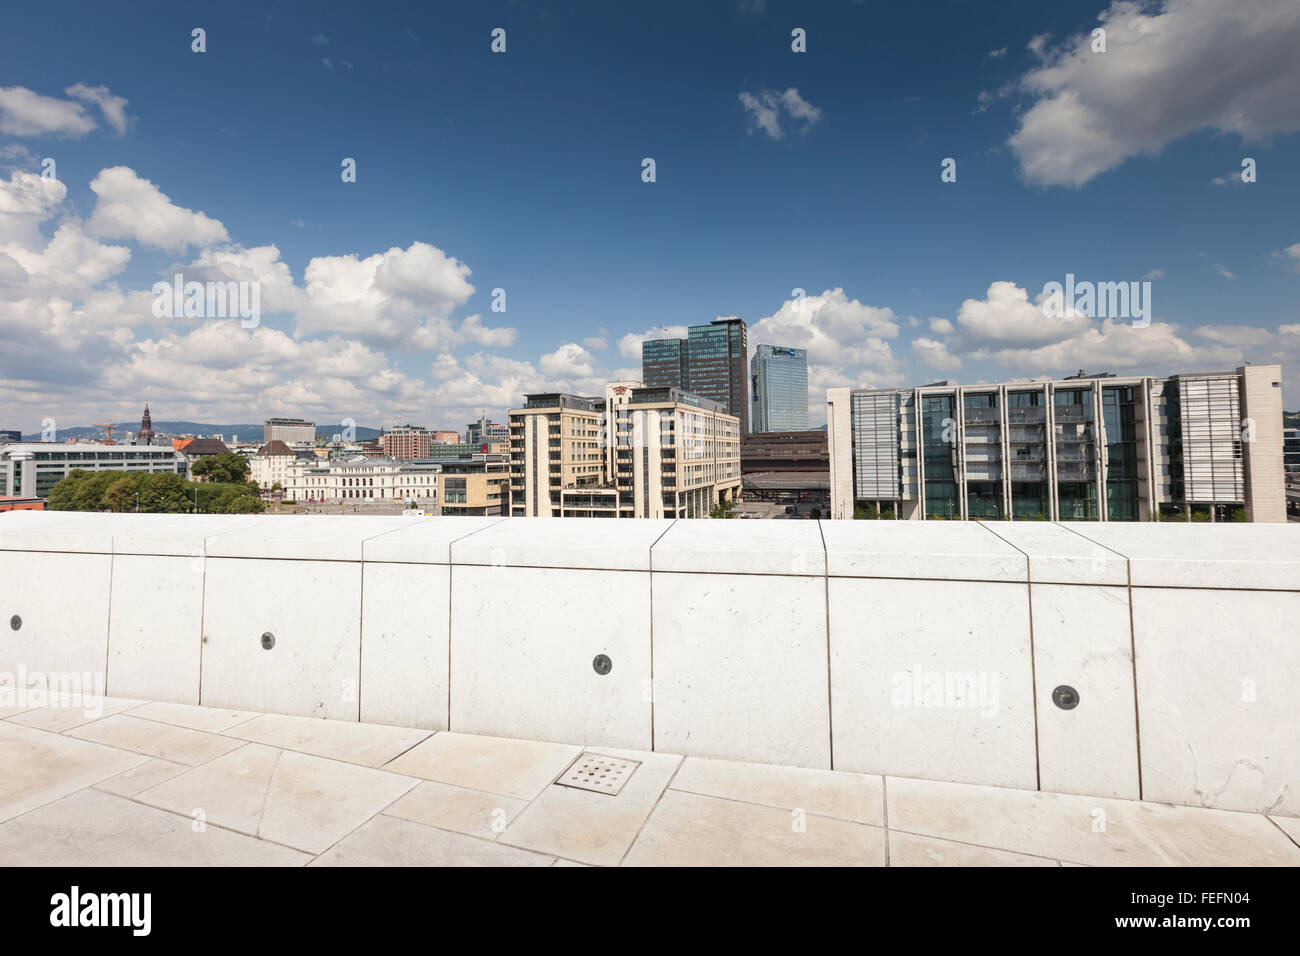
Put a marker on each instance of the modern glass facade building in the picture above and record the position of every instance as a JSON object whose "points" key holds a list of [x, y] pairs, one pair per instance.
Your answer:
{"points": [[1202, 447], [709, 362], [780, 381], [664, 363], [33, 468]]}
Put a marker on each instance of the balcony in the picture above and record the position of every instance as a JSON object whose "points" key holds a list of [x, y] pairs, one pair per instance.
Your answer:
{"points": [[1026, 415], [291, 619]]}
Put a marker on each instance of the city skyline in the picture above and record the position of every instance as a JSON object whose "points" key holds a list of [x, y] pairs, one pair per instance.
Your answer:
{"points": [[376, 296]]}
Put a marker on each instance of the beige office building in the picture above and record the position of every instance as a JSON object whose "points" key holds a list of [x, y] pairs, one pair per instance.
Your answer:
{"points": [[1198, 447], [635, 453]]}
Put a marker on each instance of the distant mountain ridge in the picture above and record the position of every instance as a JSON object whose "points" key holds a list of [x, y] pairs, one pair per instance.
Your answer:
{"points": [[246, 432]]}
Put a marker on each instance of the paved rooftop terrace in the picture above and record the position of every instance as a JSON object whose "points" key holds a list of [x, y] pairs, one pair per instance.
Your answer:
{"points": [[174, 784]]}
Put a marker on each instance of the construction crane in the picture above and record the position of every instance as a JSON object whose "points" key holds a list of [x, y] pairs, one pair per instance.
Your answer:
{"points": [[108, 430]]}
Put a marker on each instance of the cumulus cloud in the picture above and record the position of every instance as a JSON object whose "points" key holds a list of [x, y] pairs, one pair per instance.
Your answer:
{"points": [[24, 112], [569, 361], [130, 207], [76, 341], [1006, 329], [934, 353], [1168, 70], [766, 109], [401, 297], [113, 107]]}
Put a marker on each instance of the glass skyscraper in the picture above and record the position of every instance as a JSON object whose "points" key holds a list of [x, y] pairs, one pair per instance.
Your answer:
{"points": [[780, 381], [709, 362]]}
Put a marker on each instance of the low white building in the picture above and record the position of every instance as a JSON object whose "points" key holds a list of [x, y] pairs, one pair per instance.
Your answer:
{"points": [[362, 479], [271, 464]]}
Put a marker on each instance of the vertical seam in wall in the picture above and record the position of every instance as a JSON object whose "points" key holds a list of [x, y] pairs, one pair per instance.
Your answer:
{"points": [[203, 608], [1132, 644], [108, 624], [652, 636], [361, 627], [361, 610], [1033, 657], [826, 595], [884, 803], [451, 570], [1133, 657]]}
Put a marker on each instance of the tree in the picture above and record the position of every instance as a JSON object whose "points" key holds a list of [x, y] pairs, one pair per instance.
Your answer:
{"points": [[120, 495], [227, 468], [723, 509]]}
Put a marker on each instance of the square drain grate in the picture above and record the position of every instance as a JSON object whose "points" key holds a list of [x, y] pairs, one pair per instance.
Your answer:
{"points": [[598, 773]]}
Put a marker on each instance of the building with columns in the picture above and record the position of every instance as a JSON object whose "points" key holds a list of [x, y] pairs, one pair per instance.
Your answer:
{"points": [[1192, 446]]}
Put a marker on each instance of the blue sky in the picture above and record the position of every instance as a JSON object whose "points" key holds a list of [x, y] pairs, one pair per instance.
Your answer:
{"points": [[775, 170]]}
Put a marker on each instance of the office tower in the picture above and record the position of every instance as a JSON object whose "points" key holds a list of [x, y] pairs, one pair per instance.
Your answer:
{"points": [[664, 363], [718, 353], [291, 431], [1190, 447], [780, 387]]}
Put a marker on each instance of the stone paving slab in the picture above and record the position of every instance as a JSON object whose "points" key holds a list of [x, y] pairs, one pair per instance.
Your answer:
{"points": [[160, 784]]}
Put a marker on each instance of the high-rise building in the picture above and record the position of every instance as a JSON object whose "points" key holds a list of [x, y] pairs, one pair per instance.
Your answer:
{"points": [[636, 453], [1204, 446], [780, 380], [716, 365], [709, 362], [664, 363], [291, 431]]}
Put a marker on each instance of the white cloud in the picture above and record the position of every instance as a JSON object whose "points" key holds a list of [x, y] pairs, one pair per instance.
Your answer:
{"points": [[596, 343], [1223, 270], [26, 201], [569, 361], [1290, 257], [1168, 70], [1155, 274], [935, 354], [1006, 329], [113, 107], [402, 297], [766, 108], [1005, 318], [129, 207], [25, 113]]}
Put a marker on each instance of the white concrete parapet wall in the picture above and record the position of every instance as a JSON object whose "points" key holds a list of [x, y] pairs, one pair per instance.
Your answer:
{"points": [[918, 649]]}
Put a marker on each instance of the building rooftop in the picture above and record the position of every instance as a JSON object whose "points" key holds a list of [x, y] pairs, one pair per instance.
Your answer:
{"points": [[971, 725], [114, 785]]}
